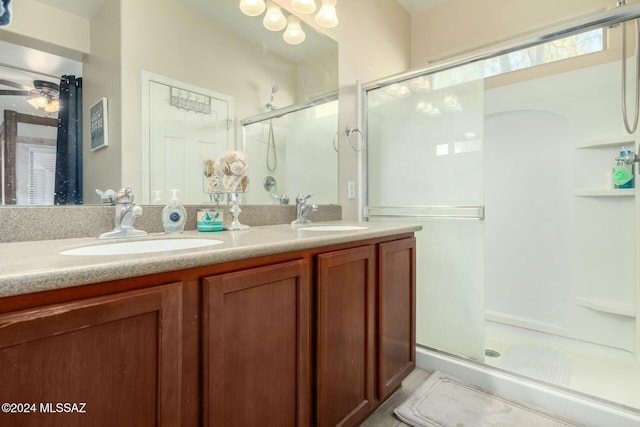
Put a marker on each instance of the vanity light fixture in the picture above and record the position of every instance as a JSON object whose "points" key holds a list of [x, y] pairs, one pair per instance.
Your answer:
{"points": [[327, 17], [49, 105], [252, 7], [274, 19], [304, 6], [293, 34]]}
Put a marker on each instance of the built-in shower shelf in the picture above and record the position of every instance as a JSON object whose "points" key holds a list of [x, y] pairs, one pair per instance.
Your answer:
{"points": [[607, 306], [606, 192], [612, 142]]}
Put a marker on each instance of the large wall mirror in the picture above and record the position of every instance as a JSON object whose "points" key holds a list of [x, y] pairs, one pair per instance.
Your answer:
{"points": [[198, 52]]}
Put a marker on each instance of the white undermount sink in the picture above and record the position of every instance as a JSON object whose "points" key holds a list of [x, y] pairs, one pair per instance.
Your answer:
{"points": [[333, 228], [142, 247]]}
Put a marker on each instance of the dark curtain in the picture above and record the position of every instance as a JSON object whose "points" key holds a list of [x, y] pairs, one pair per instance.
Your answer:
{"points": [[5, 12], [68, 184]]}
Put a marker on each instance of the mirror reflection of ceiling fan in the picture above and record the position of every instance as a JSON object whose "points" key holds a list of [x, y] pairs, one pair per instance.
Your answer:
{"points": [[43, 94]]}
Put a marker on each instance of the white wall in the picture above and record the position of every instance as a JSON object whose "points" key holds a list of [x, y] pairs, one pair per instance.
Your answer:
{"points": [[458, 26], [46, 28], [102, 169]]}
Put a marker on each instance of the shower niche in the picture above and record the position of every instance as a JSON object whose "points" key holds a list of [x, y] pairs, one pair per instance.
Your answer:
{"points": [[605, 240], [598, 155]]}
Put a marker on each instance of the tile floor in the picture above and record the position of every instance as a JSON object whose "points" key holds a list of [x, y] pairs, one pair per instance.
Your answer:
{"points": [[383, 416]]}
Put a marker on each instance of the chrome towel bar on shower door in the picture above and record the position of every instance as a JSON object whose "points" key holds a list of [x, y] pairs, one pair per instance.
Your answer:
{"points": [[434, 211]]}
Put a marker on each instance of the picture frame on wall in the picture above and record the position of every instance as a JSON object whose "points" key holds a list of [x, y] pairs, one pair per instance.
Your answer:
{"points": [[98, 115]]}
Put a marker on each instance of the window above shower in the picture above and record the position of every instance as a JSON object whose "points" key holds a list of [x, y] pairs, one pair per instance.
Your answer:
{"points": [[556, 50], [530, 59]]}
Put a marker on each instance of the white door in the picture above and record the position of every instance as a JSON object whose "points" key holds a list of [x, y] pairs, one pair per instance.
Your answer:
{"points": [[184, 125]]}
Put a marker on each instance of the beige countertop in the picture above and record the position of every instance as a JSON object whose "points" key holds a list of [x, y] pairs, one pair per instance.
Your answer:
{"points": [[36, 266]]}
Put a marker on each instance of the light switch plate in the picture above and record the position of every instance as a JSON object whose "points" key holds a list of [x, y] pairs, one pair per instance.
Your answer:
{"points": [[351, 190]]}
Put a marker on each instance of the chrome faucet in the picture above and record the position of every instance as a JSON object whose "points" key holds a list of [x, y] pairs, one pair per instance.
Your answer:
{"points": [[125, 214], [302, 210]]}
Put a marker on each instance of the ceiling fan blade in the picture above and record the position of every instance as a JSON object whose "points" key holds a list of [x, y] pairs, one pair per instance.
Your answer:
{"points": [[46, 86], [15, 85], [16, 92]]}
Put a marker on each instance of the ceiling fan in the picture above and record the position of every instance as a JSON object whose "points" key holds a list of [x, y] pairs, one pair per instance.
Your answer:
{"points": [[44, 94]]}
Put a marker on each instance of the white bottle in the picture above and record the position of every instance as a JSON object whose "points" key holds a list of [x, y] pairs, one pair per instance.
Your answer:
{"points": [[174, 215]]}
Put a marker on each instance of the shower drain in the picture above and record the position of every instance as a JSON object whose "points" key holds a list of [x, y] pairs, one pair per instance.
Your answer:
{"points": [[491, 353]]}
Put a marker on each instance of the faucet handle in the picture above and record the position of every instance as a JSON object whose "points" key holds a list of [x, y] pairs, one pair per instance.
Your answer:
{"points": [[302, 198], [124, 196], [629, 157], [107, 196]]}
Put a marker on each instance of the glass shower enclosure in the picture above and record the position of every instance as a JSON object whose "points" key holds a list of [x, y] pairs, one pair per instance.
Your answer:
{"points": [[527, 256]]}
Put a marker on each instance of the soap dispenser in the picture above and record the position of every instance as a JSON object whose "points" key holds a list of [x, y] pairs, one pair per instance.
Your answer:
{"points": [[623, 172], [174, 215]]}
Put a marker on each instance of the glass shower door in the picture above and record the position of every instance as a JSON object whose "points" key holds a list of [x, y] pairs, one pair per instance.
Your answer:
{"points": [[425, 165]]}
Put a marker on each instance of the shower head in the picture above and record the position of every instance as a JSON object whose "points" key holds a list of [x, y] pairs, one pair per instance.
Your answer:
{"points": [[274, 90]]}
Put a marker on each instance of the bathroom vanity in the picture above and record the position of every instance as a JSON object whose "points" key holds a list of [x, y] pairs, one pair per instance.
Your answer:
{"points": [[277, 326]]}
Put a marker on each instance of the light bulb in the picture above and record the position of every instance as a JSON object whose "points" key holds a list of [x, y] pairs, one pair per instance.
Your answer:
{"points": [[420, 84], [274, 20], [398, 90], [451, 103], [304, 6], [252, 7], [53, 106], [327, 17], [38, 102], [293, 34]]}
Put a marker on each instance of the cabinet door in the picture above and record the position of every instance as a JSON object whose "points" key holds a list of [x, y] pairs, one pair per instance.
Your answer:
{"points": [[106, 361], [396, 313], [345, 336], [256, 344]]}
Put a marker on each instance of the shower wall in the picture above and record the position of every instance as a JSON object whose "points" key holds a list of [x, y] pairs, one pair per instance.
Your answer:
{"points": [[556, 260]]}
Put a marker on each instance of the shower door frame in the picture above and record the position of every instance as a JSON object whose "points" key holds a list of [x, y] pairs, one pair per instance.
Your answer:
{"points": [[526, 40]]}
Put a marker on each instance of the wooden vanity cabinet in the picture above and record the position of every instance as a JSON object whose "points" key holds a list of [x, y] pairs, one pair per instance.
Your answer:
{"points": [[396, 333], [257, 347], [365, 328], [318, 337], [103, 361], [345, 336]]}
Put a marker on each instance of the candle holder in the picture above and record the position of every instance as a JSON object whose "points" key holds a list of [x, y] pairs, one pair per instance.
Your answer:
{"points": [[235, 210]]}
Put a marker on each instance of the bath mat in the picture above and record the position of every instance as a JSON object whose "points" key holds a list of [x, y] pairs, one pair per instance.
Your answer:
{"points": [[445, 401]]}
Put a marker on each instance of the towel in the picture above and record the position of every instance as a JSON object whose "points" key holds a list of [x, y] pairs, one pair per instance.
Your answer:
{"points": [[621, 175]]}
